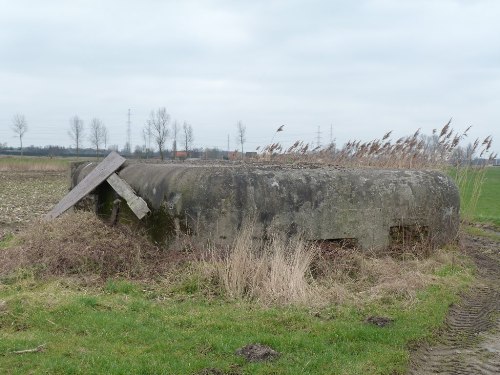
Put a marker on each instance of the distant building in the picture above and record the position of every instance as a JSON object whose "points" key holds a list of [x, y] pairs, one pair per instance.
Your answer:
{"points": [[181, 155]]}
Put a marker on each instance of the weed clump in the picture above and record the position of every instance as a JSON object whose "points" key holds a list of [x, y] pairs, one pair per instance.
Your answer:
{"points": [[80, 244], [272, 272]]}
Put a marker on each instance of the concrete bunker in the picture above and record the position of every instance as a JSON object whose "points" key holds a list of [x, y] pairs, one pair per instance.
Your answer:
{"points": [[367, 208]]}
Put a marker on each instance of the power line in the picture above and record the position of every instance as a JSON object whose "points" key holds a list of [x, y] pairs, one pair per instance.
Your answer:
{"points": [[318, 138]]}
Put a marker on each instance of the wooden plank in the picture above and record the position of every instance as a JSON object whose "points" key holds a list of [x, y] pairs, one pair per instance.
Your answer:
{"points": [[100, 173], [136, 204]]}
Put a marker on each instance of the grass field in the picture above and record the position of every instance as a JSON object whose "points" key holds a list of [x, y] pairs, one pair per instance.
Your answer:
{"points": [[487, 208], [27, 163]]}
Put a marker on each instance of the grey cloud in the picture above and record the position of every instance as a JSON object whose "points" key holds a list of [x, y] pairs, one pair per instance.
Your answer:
{"points": [[366, 66]]}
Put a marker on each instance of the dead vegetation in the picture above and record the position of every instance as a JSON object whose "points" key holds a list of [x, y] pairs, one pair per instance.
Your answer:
{"points": [[362, 277], [443, 150], [276, 272], [292, 271], [416, 151], [80, 244], [273, 272]]}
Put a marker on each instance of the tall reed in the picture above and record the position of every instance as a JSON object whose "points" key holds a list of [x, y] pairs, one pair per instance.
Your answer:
{"points": [[442, 150]]}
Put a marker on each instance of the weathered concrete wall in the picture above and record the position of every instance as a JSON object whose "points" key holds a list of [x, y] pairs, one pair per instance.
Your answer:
{"points": [[370, 207]]}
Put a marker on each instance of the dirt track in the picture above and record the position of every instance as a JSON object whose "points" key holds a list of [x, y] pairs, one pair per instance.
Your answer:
{"points": [[470, 341]]}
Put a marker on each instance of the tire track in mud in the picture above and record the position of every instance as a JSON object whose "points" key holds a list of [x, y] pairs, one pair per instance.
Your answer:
{"points": [[470, 340]]}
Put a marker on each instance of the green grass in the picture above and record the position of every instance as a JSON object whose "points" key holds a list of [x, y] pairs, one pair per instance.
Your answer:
{"points": [[7, 240], [488, 204], [126, 327], [488, 207]]}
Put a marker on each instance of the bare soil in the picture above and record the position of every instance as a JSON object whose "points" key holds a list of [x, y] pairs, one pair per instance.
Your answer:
{"points": [[379, 321], [470, 341], [257, 353], [26, 195]]}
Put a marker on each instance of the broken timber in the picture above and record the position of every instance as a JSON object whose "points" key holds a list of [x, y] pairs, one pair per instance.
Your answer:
{"points": [[103, 171], [136, 204]]}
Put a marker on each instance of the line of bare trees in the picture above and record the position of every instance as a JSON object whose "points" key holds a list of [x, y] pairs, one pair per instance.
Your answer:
{"points": [[97, 137], [159, 130], [98, 134]]}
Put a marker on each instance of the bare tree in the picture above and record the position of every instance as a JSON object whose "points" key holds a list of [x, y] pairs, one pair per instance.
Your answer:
{"points": [[241, 135], [76, 130], [188, 136], [20, 126], [175, 131], [159, 127], [96, 136]]}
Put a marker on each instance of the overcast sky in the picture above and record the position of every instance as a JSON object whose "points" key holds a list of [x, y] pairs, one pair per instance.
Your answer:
{"points": [[364, 67]]}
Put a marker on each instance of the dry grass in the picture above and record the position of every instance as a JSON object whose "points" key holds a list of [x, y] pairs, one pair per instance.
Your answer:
{"points": [[33, 164], [276, 272], [295, 272], [80, 244], [273, 272], [360, 277], [416, 151]]}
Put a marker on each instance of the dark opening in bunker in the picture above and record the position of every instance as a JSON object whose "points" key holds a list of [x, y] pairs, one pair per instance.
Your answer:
{"points": [[408, 234], [332, 245]]}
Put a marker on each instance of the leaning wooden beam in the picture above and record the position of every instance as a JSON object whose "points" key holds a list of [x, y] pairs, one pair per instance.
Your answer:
{"points": [[136, 204], [100, 173]]}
